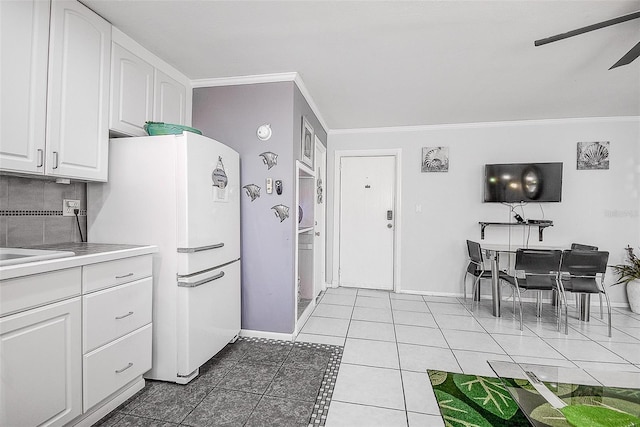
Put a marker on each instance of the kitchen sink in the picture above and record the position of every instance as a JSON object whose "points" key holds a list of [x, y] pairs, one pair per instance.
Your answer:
{"points": [[12, 256]]}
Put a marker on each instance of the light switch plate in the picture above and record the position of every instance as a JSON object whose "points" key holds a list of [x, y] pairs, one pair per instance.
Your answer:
{"points": [[269, 185]]}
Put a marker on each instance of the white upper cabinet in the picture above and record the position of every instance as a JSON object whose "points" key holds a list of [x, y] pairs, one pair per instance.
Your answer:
{"points": [[24, 45], [78, 93], [131, 92], [55, 89], [144, 88], [170, 100]]}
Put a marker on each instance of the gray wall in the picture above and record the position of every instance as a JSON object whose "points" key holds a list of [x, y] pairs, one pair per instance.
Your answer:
{"points": [[231, 115], [31, 212]]}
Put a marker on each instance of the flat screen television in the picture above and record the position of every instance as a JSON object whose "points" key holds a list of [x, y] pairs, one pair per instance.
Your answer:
{"points": [[523, 182]]}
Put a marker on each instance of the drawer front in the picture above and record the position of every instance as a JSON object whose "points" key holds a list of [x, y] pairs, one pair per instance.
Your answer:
{"points": [[115, 312], [111, 273], [113, 366], [25, 292]]}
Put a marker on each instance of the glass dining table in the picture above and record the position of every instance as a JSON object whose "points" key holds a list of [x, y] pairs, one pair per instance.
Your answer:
{"points": [[493, 252]]}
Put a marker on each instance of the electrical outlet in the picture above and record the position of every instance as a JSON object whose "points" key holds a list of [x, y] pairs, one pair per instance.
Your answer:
{"points": [[68, 205]]}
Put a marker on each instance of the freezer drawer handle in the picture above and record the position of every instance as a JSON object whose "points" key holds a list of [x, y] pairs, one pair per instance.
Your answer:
{"points": [[124, 315], [126, 275], [199, 249], [119, 371], [201, 282]]}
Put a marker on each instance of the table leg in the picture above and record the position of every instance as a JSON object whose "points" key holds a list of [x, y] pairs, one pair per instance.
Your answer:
{"points": [[585, 307], [495, 285]]}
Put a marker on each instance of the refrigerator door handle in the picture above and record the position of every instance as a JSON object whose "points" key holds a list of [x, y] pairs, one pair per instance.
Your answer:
{"points": [[200, 282], [199, 249]]}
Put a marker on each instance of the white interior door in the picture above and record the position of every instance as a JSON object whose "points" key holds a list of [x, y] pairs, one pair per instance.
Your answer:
{"points": [[319, 215], [367, 221]]}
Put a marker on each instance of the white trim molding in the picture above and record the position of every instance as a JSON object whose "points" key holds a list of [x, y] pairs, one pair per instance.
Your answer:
{"points": [[244, 80], [421, 128], [338, 154], [265, 78]]}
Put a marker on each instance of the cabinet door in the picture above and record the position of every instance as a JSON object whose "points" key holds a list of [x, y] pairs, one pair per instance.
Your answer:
{"points": [[131, 92], [170, 100], [24, 45], [78, 93], [41, 365]]}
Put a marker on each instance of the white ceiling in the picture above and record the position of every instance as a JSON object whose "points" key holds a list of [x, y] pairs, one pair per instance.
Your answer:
{"points": [[373, 64]]}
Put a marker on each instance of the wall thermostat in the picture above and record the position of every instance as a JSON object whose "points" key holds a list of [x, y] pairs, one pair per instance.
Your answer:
{"points": [[278, 186]]}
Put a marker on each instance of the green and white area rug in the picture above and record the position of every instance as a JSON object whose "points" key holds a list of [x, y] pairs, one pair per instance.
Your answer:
{"points": [[475, 401]]}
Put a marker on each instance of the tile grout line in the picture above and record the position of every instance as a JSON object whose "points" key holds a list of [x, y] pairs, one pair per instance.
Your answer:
{"points": [[395, 336]]}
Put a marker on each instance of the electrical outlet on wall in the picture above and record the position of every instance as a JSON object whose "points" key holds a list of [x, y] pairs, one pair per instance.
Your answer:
{"points": [[68, 205]]}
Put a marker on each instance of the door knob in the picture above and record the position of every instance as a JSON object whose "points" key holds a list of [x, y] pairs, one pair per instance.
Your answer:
{"points": [[317, 233], [389, 225]]}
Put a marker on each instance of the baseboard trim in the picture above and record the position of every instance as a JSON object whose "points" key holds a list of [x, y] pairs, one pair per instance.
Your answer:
{"points": [[112, 402]]}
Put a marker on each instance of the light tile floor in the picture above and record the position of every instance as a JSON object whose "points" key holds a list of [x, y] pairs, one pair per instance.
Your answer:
{"points": [[390, 340]]}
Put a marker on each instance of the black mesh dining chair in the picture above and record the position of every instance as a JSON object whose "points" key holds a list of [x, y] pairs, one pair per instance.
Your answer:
{"points": [[475, 268], [537, 270], [582, 247], [582, 271]]}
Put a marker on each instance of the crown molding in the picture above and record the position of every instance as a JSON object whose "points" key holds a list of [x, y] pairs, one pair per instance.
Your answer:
{"points": [[514, 123], [265, 78], [307, 96], [244, 80]]}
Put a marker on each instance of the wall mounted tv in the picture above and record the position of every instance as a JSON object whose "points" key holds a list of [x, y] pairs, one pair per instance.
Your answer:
{"points": [[523, 182]]}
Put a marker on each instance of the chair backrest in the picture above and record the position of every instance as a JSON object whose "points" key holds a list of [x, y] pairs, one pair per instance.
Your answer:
{"points": [[584, 263], [538, 261], [475, 252], [582, 247]]}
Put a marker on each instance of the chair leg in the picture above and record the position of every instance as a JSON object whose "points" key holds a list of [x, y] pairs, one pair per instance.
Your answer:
{"points": [[520, 303], [473, 293], [600, 295], [609, 309], [464, 284], [566, 313]]}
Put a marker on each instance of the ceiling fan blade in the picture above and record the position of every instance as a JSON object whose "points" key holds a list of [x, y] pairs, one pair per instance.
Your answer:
{"points": [[603, 24], [628, 57]]}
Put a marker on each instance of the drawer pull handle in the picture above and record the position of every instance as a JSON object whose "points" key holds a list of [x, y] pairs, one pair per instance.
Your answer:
{"points": [[118, 371], [124, 315], [126, 275]]}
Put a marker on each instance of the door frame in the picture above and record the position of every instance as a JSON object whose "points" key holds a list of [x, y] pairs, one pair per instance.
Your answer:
{"points": [[338, 155], [322, 248]]}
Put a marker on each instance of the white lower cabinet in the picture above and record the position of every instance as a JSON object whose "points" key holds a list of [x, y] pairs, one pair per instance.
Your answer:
{"points": [[116, 364], [74, 343], [41, 365], [114, 312], [116, 327]]}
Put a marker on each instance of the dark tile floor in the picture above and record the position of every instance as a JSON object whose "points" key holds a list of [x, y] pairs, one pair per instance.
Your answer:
{"points": [[253, 382]]}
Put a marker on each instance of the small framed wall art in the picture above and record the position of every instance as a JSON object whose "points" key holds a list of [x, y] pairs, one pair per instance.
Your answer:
{"points": [[435, 159], [593, 155], [306, 143]]}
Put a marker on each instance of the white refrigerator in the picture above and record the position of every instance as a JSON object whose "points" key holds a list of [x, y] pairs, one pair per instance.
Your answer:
{"points": [[182, 194]]}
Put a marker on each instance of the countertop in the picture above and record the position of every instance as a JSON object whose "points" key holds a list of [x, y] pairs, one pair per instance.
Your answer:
{"points": [[85, 253]]}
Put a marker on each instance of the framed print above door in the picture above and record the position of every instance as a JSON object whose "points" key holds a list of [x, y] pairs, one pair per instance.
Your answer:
{"points": [[306, 143]]}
